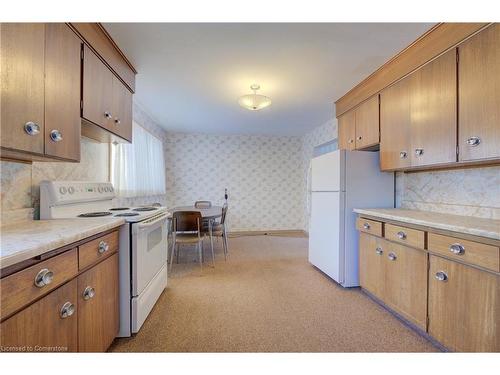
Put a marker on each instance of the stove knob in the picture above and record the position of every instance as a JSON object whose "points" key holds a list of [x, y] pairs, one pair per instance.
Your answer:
{"points": [[111, 189], [62, 190], [100, 189], [71, 190]]}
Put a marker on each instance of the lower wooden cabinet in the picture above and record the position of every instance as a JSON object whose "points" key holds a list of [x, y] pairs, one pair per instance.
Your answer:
{"points": [[405, 287], [464, 306], [98, 314], [371, 264], [51, 324]]}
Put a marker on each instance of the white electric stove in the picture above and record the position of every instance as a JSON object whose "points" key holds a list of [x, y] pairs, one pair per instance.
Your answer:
{"points": [[143, 242]]}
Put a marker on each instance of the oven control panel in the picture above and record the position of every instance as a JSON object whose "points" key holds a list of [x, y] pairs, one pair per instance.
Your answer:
{"points": [[64, 192]]}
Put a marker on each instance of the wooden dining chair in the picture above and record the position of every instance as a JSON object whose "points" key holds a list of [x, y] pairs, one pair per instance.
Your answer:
{"points": [[202, 204], [187, 229]]}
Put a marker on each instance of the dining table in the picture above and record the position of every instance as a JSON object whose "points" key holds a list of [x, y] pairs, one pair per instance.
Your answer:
{"points": [[208, 213]]}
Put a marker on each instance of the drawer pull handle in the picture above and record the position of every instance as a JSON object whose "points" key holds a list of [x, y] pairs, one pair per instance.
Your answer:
{"points": [[401, 235], [441, 276], [457, 249], [44, 277], [379, 251], [103, 247], [88, 293], [67, 310], [473, 141], [403, 155], [392, 256], [366, 226]]}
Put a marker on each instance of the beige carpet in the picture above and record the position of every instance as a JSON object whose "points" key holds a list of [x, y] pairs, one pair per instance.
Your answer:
{"points": [[266, 298]]}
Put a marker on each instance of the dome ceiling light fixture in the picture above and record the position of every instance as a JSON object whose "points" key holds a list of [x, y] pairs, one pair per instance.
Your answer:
{"points": [[254, 102]]}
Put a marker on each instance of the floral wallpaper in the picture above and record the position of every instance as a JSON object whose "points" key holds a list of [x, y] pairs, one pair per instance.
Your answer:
{"points": [[263, 176]]}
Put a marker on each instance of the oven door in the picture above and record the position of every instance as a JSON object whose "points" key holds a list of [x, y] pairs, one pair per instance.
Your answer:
{"points": [[149, 251]]}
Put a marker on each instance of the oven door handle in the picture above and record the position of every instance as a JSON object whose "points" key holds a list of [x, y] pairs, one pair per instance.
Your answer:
{"points": [[152, 221]]}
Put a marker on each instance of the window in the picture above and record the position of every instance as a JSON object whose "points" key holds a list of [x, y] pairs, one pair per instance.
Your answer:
{"points": [[138, 169]]}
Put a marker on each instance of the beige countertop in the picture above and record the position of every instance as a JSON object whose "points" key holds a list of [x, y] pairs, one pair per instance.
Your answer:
{"points": [[488, 228], [27, 239]]}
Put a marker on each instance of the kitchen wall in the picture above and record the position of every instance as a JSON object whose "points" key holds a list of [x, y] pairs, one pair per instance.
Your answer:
{"points": [[468, 191], [263, 175], [19, 182]]}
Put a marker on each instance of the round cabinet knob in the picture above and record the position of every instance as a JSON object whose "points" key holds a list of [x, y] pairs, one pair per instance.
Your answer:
{"points": [[419, 151], [403, 155], [67, 310], [44, 277], [392, 256], [107, 114], [359, 138], [366, 226], [88, 293], [441, 276], [457, 249], [117, 121], [103, 247], [56, 135], [379, 251], [473, 141], [350, 141], [31, 128], [401, 235]]}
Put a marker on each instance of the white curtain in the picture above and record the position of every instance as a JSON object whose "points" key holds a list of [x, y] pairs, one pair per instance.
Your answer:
{"points": [[138, 169]]}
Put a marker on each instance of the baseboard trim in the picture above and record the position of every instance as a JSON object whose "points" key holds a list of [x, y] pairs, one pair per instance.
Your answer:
{"points": [[283, 233]]}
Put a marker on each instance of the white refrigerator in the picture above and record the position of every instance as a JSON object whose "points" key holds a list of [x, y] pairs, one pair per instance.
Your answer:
{"points": [[341, 181]]}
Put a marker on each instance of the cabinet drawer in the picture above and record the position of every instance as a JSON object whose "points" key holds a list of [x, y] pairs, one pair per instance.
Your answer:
{"points": [[95, 250], [369, 226], [476, 253], [23, 287], [407, 236]]}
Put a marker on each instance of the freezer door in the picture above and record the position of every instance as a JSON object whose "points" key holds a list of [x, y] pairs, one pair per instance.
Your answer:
{"points": [[326, 240], [328, 172]]}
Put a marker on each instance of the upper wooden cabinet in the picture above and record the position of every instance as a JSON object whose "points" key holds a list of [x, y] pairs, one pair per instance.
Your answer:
{"points": [[395, 126], [106, 101], [40, 91], [347, 131], [359, 127], [22, 57], [418, 120], [62, 92], [479, 93], [367, 123], [433, 112]]}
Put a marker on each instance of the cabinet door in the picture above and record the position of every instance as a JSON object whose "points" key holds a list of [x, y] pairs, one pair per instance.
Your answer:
{"points": [[367, 123], [22, 86], [42, 325], [433, 111], [395, 126], [371, 264], [122, 110], [464, 306], [97, 90], [347, 130], [98, 315], [406, 282], [479, 92], [62, 92]]}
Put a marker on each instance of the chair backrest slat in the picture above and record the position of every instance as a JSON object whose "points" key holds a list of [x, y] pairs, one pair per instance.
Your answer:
{"points": [[186, 221]]}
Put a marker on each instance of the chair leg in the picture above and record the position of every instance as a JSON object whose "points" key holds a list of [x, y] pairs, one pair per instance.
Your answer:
{"points": [[225, 241], [200, 252], [213, 255], [177, 248], [172, 255]]}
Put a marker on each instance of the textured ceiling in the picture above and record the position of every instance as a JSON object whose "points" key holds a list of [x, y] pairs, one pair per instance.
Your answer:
{"points": [[191, 75]]}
